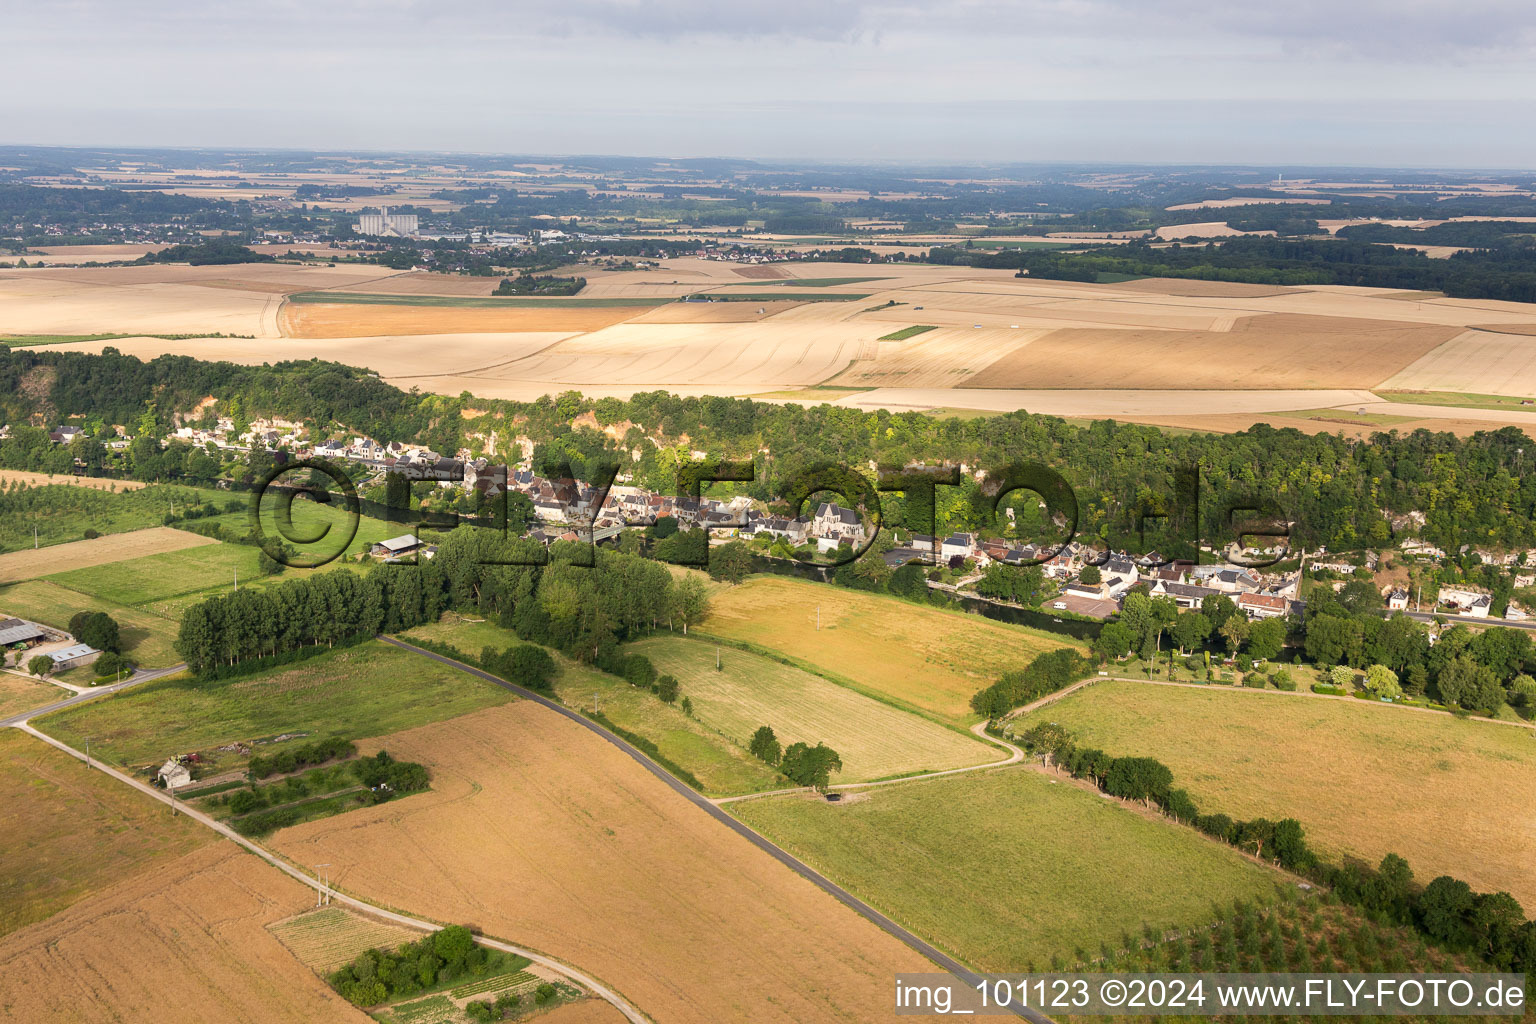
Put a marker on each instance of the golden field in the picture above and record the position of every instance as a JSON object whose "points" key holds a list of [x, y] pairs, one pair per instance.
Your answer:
{"points": [[186, 940], [1451, 796], [71, 832], [622, 877], [915, 656], [1241, 349], [82, 554]]}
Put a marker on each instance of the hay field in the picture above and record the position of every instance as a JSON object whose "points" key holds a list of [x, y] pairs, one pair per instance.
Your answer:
{"points": [[874, 740], [1269, 351], [911, 655], [367, 690], [326, 938], [681, 915], [1008, 868], [83, 554], [19, 693], [71, 832], [1483, 361], [1451, 796], [355, 320], [183, 941], [22, 476]]}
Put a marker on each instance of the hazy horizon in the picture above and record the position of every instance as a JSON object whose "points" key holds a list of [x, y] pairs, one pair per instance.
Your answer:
{"points": [[1426, 85]]}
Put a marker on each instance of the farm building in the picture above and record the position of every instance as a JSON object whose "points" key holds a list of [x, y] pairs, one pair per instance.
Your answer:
{"points": [[73, 657], [19, 631], [394, 547]]}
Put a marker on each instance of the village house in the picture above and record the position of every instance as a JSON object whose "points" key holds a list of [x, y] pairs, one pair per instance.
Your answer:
{"points": [[958, 544], [1397, 600], [1262, 606]]}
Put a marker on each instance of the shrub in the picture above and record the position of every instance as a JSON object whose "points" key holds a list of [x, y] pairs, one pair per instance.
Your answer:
{"points": [[1283, 680], [40, 665], [544, 993], [639, 671], [111, 663], [91, 534], [523, 664], [1046, 674], [1254, 681]]}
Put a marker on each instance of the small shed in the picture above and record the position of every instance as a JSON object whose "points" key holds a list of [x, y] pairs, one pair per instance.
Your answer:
{"points": [[173, 774]]}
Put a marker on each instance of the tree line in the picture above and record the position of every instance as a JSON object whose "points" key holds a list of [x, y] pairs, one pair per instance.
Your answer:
{"points": [[1491, 925], [547, 597]]}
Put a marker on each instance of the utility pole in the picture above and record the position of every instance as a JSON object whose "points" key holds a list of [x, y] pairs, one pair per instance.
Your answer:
{"points": [[717, 659], [34, 536], [818, 618], [87, 751], [321, 887], [237, 579]]}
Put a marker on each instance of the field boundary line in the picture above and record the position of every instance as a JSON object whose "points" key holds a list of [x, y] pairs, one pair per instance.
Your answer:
{"points": [[1354, 701], [779, 854], [832, 677], [419, 924]]}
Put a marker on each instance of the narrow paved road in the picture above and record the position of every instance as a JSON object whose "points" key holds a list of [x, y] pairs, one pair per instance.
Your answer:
{"points": [[91, 694], [634, 1015], [800, 868]]}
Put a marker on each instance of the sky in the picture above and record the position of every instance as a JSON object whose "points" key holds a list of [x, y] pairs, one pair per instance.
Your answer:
{"points": [[1330, 82]]}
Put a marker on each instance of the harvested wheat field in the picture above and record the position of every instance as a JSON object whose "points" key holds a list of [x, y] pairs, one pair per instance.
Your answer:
{"points": [[71, 832], [82, 554], [941, 358], [714, 312], [1135, 405], [356, 320], [1451, 796], [757, 357], [1478, 361], [326, 938], [1268, 351], [904, 653], [588, 1011], [538, 829], [186, 941], [32, 303], [1207, 229], [22, 476]]}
